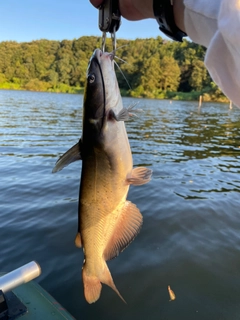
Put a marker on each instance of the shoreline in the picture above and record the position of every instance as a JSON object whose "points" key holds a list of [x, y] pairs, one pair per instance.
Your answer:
{"points": [[175, 96]]}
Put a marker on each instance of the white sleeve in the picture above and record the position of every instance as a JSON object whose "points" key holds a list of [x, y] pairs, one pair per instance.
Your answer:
{"points": [[215, 24]]}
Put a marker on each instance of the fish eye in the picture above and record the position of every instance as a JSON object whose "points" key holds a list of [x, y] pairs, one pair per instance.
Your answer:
{"points": [[91, 78]]}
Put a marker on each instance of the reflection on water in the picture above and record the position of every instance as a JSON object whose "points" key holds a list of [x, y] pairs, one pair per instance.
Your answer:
{"points": [[190, 238]]}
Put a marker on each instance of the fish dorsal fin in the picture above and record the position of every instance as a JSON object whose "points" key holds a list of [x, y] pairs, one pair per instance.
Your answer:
{"points": [[139, 176], [127, 228], [73, 154]]}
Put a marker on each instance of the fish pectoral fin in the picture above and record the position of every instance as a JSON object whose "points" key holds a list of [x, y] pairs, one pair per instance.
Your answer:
{"points": [[124, 114], [68, 157], [131, 107], [139, 176], [78, 240], [127, 227]]}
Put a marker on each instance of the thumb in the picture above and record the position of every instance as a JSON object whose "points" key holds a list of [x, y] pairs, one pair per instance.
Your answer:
{"points": [[96, 3]]}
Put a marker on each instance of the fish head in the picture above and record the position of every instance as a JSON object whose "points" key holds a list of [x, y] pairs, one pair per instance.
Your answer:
{"points": [[101, 90]]}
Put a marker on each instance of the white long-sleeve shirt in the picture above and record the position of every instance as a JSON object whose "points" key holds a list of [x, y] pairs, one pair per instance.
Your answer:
{"points": [[215, 24]]}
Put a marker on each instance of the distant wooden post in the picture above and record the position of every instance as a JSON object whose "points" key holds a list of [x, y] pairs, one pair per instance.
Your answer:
{"points": [[200, 102], [230, 104]]}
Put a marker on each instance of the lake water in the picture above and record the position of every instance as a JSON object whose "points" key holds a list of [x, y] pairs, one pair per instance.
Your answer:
{"points": [[190, 237]]}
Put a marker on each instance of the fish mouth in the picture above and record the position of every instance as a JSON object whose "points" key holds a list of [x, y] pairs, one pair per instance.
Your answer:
{"points": [[99, 53]]}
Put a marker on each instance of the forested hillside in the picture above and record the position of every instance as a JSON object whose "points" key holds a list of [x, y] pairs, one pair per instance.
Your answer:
{"points": [[154, 68]]}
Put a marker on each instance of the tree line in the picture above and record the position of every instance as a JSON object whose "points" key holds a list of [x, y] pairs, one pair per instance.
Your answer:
{"points": [[153, 67]]}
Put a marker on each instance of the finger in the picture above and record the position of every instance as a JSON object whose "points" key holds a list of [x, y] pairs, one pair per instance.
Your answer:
{"points": [[96, 3]]}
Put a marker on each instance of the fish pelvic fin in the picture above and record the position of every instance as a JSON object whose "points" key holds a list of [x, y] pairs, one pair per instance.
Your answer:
{"points": [[139, 176], [127, 227], [92, 284], [73, 154]]}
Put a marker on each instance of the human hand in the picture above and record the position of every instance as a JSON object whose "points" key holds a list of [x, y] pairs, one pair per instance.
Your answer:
{"points": [[132, 9], [143, 9]]}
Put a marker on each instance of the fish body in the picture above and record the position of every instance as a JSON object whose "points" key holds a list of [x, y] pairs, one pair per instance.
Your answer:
{"points": [[107, 221]]}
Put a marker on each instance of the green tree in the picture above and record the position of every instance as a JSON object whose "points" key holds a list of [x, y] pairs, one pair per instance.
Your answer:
{"points": [[170, 74], [152, 67], [2, 78], [151, 74], [198, 75]]}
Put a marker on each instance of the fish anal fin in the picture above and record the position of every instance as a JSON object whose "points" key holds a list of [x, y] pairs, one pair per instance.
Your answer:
{"points": [[139, 176], [78, 240], [127, 227], [73, 154]]}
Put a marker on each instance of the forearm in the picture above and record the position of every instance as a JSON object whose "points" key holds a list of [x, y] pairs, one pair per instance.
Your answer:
{"points": [[143, 9], [178, 11]]}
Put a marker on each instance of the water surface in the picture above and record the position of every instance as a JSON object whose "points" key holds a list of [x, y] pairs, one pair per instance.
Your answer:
{"points": [[190, 238]]}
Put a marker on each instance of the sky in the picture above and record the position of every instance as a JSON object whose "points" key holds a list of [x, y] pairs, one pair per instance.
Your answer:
{"points": [[28, 20]]}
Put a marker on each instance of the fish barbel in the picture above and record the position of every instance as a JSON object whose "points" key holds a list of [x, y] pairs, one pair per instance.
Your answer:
{"points": [[107, 221]]}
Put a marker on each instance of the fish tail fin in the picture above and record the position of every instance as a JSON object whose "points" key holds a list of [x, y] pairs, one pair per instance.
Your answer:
{"points": [[92, 286], [106, 278]]}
